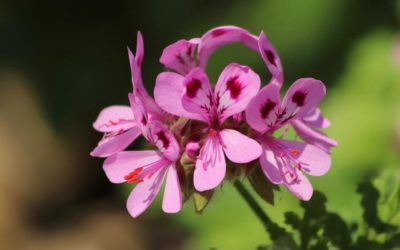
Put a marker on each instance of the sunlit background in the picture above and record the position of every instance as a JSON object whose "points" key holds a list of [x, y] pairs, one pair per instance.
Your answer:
{"points": [[61, 62]]}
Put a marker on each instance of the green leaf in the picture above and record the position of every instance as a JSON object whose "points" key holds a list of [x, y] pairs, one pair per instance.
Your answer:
{"points": [[201, 200], [293, 220], [261, 185], [336, 229]]}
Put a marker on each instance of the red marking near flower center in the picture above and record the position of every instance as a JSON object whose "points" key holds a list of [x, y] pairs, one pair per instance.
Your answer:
{"points": [[267, 108], [163, 138], [295, 152], [234, 87], [213, 132], [218, 32], [299, 98], [192, 88], [271, 57], [133, 177]]}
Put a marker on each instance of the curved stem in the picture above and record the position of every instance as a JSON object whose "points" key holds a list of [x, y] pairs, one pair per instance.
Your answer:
{"points": [[262, 216]]}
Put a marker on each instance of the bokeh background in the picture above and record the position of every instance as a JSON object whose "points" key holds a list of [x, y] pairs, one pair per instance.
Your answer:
{"points": [[62, 61]]}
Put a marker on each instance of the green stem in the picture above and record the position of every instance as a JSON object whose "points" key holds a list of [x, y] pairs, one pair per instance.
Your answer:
{"points": [[262, 216]]}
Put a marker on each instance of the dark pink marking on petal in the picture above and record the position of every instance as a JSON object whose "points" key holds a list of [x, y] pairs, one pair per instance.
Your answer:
{"points": [[234, 87], [163, 138], [193, 87], [271, 57], [218, 32], [299, 98], [267, 108]]}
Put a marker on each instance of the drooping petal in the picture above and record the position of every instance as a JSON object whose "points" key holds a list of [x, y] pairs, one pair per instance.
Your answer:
{"points": [[144, 193], [179, 56], [301, 188], [172, 201], [313, 160], [270, 166], [315, 119], [238, 147], [313, 137], [304, 95], [116, 143], [271, 58], [119, 165], [210, 165], [261, 113], [114, 118], [168, 95], [236, 86], [164, 140], [198, 95], [220, 36]]}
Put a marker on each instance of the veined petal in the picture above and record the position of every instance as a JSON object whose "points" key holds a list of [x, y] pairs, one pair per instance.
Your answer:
{"points": [[119, 165], [172, 201], [271, 58], [164, 140], [116, 143], [315, 119], [144, 193], [198, 95], [220, 36], [210, 165], [238, 147], [114, 118], [313, 137], [236, 86], [269, 165], [168, 95], [262, 111], [304, 95], [179, 56], [313, 160], [301, 188]]}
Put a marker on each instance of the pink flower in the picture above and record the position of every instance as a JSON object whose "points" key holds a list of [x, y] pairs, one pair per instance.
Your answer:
{"points": [[284, 162], [193, 97], [148, 168], [119, 128]]}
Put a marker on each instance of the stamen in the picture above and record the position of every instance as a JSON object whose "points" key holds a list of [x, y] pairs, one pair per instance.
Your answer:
{"points": [[134, 176], [295, 152]]}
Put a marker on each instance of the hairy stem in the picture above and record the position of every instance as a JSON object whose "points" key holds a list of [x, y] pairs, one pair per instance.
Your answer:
{"points": [[262, 216]]}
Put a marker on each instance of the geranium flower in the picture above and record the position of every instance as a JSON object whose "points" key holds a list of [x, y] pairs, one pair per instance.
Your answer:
{"points": [[148, 168], [193, 97], [284, 162]]}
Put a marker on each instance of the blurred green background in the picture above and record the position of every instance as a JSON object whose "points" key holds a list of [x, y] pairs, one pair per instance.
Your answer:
{"points": [[61, 62]]}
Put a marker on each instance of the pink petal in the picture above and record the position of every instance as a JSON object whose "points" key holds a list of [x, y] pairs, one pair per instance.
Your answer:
{"points": [[220, 36], [179, 56], [301, 188], [172, 201], [236, 86], [271, 58], [261, 113], [114, 118], [315, 119], [210, 165], [238, 147], [168, 95], [198, 95], [139, 90], [313, 137], [116, 143], [269, 165], [139, 49], [121, 164], [304, 95], [314, 161], [144, 193], [164, 140]]}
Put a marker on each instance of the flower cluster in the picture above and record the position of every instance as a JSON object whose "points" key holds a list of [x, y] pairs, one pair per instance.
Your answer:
{"points": [[203, 133]]}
